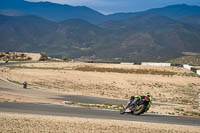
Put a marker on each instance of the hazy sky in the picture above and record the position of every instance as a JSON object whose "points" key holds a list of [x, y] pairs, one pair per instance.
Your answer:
{"points": [[113, 6]]}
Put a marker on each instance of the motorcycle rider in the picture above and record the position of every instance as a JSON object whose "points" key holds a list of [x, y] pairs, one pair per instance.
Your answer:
{"points": [[135, 99]]}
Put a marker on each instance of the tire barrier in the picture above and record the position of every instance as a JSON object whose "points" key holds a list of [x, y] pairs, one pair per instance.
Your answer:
{"points": [[194, 69], [138, 63], [177, 65], [155, 64], [107, 62]]}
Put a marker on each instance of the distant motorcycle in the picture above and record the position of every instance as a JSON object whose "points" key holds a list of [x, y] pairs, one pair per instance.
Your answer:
{"points": [[140, 107], [25, 85]]}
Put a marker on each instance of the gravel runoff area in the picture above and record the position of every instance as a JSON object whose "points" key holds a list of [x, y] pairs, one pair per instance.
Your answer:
{"points": [[24, 123]]}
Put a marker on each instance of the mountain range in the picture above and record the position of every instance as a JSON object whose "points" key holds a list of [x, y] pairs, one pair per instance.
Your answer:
{"points": [[80, 32], [51, 11], [58, 12]]}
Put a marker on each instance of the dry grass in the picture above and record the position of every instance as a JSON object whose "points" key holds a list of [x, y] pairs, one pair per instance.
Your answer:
{"points": [[15, 123], [121, 70]]}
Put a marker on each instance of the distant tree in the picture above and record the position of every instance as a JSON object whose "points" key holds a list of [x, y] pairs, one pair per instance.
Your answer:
{"points": [[5, 58], [64, 58], [43, 56], [22, 55]]}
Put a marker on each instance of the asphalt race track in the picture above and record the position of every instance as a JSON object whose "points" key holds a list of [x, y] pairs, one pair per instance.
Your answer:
{"points": [[61, 110], [64, 110], [17, 63]]}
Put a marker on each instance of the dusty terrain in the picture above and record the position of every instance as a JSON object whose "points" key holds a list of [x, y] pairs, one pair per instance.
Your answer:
{"points": [[34, 124], [171, 85]]}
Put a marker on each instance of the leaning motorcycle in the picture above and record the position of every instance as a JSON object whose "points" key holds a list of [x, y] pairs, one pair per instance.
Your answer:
{"points": [[140, 107]]}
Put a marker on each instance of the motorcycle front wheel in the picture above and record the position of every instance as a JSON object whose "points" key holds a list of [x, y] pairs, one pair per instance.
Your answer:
{"points": [[140, 109]]}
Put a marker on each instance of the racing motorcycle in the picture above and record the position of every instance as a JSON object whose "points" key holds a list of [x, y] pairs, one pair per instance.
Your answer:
{"points": [[141, 106]]}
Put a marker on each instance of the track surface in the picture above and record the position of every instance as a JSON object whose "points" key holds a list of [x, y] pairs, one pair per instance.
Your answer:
{"points": [[16, 63], [60, 110]]}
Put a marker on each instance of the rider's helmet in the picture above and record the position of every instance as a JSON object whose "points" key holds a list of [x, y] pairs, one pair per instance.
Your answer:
{"points": [[132, 98], [149, 96]]}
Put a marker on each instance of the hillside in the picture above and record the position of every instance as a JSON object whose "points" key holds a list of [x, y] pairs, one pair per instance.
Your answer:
{"points": [[194, 19], [52, 11], [59, 12], [10, 12], [148, 37], [24, 33], [192, 60], [74, 38], [79, 32], [151, 36], [178, 11], [34, 34]]}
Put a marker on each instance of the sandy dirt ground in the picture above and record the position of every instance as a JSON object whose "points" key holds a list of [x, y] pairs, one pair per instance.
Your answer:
{"points": [[171, 85], [24, 123]]}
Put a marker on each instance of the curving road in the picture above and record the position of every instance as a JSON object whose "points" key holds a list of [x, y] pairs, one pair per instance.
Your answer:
{"points": [[16, 63], [63, 110]]}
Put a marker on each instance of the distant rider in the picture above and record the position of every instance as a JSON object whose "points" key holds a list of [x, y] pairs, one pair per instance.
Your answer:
{"points": [[25, 85]]}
